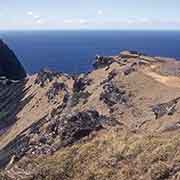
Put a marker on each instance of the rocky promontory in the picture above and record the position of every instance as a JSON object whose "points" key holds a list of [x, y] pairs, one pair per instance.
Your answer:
{"points": [[10, 66], [118, 122]]}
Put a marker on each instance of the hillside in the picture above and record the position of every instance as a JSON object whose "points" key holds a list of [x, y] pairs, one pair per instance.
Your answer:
{"points": [[9, 64], [118, 122]]}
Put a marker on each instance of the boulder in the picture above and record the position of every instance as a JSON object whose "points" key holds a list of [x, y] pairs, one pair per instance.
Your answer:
{"points": [[55, 89], [102, 61], [78, 125], [167, 108], [110, 77], [45, 76], [10, 67], [129, 68], [111, 95], [80, 83]]}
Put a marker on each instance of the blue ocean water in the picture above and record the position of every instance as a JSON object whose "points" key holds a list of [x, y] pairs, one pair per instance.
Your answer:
{"points": [[74, 51]]}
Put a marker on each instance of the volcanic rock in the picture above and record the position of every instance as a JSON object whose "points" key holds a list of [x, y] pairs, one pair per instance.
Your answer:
{"points": [[45, 76], [111, 95], [10, 67], [102, 62], [165, 108]]}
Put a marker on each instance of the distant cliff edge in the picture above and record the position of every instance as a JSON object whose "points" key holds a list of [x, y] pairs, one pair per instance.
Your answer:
{"points": [[9, 64]]}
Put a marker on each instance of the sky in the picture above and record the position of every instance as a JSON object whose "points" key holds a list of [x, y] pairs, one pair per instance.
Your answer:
{"points": [[90, 14]]}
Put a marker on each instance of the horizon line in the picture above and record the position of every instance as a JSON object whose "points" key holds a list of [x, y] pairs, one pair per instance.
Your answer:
{"points": [[37, 29]]}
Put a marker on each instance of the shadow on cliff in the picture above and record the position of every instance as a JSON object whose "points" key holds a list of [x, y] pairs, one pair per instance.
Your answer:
{"points": [[12, 100]]}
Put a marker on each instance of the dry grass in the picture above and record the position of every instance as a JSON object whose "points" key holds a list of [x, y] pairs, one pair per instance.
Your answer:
{"points": [[112, 155]]}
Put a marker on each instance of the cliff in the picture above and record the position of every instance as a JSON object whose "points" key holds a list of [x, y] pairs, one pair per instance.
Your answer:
{"points": [[10, 67], [120, 121]]}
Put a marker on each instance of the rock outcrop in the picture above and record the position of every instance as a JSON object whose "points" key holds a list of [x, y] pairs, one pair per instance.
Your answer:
{"points": [[111, 95], [102, 61], [45, 76], [10, 67], [165, 108]]}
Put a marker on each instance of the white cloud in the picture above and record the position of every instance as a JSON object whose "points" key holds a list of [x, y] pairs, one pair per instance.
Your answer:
{"points": [[36, 17], [83, 21], [75, 21], [68, 21], [40, 21], [144, 20], [30, 13], [100, 12], [138, 23]]}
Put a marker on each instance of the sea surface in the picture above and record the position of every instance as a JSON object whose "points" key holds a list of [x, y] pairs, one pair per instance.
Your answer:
{"points": [[74, 51]]}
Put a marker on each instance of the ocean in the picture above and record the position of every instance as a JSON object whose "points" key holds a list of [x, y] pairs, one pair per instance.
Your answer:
{"points": [[74, 51]]}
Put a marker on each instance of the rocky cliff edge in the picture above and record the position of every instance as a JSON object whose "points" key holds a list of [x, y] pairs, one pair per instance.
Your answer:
{"points": [[120, 121]]}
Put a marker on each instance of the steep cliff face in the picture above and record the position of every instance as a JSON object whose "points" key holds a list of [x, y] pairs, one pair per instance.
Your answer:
{"points": [[120, 121], [10, 67]]}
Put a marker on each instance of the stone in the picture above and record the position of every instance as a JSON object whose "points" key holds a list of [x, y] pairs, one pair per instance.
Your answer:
{"points": [[165, 108], [45, 76], [81, 83], [78, 125], [111, 95], [128, 70], [60, 131], [78, 96], [102, 61], [55, 89], [110, 77]]}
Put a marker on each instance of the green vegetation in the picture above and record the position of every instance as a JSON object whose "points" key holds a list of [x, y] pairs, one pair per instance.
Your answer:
{"points": [[77, 96], [3, 115]]}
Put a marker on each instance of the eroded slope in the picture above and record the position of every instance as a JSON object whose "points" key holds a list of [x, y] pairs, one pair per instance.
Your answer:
{"points": [[120, 121]]}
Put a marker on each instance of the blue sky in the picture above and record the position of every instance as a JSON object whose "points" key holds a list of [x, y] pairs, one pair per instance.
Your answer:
{"points": [[90, 14]]}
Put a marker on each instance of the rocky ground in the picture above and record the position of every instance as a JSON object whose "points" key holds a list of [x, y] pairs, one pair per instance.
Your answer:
{"points": [[118, 122]]}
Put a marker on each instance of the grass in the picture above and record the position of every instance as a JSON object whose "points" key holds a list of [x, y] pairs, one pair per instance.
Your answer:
{"points": [[78, 96], [112, 155]]}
